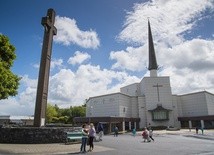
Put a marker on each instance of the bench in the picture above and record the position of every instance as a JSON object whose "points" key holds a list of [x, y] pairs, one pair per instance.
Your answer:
{"points": [[75, 136]]}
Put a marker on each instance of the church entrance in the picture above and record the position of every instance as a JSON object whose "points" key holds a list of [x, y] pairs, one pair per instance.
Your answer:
{"points": [[123, 123]]}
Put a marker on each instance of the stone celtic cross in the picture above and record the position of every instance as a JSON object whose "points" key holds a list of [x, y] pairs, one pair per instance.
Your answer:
{"points": [[42, 88]]}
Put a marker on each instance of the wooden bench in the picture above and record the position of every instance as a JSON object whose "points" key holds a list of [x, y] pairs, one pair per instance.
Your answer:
{"points": [[75, 136]]}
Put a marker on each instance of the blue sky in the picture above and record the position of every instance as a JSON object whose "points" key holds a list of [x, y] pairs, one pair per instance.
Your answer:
{"points": [[101, 46]]}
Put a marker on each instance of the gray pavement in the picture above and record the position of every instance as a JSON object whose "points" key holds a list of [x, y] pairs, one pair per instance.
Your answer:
{"points": [[181, 142]]}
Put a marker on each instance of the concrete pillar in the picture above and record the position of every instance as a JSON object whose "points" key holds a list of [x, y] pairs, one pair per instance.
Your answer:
{"points": [[135, 125], [109, 130], [130, 125], [202, 123], [123, 125], [190, 124]]}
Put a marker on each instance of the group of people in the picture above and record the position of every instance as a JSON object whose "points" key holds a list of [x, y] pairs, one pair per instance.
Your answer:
{"points": [[147, 135], [88, 136], [202, 130]]}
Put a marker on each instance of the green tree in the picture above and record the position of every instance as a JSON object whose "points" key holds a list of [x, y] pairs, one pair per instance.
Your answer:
{"points": [[51, 113], [9, 82], [78, 111], [65, 115]]}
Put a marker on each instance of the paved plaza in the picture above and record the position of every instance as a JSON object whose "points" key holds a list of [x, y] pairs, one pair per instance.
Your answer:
{"points": [[181, 142]]}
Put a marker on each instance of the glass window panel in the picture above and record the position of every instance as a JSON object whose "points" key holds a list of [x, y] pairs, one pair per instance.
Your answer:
{"points": [[159, 115]]}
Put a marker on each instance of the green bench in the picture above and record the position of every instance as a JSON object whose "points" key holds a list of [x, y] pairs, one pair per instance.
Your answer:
{"points": [[75, 136]]}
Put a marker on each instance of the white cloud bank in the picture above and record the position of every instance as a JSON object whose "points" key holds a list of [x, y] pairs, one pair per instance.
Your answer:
{"points": [[68, 88], [74, 87], [169, 20], [189, 63], [69, 33]]}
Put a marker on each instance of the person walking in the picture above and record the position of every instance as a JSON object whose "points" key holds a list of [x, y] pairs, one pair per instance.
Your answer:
{"points": [[100, 131], [134, 132], [202, 130], [196, 130], [145, 135], [92, 134], [151, 134], [84, 138], [115, 131]]}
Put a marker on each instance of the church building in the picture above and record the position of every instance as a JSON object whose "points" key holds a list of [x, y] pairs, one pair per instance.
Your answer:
{"points": [[150, 103]]}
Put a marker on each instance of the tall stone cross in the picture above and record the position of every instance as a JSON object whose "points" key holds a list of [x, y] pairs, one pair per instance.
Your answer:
{"points": [[42, 88], [158, 90]]}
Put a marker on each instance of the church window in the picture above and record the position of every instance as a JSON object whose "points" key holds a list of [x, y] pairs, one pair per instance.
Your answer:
{"points": [[160, 113]]}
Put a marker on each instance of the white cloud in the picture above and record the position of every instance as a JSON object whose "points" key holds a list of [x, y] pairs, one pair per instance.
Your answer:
{"points": [[79, 58], [67, 87], [169, 20], [189, 65], [36, 66], [133, 59], [196, 55], [69, 33], [24, 103], [56, 63], [27, 82]]}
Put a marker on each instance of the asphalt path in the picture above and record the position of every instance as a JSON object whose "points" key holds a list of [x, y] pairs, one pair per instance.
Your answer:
{"points": [[166, 143], [163, 145]]}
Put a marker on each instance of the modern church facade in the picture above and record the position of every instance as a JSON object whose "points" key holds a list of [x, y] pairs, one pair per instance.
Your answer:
{"points": [[150, 103]]}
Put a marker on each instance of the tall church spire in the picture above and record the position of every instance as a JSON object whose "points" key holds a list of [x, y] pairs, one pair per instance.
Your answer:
{"points": [[152, 58]]}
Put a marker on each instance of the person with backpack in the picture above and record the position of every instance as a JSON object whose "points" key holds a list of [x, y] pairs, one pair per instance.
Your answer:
{"points": [[100, 131], [145, 135]]}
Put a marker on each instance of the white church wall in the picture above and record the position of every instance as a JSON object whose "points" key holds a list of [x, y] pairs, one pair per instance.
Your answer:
{"points": [[176, 110], [149, 88], [194, 104], [134, 107], [131, 90], [125, 108], [210, 103], [142, 111], [101, 106], [177, 100], [151, 93]]}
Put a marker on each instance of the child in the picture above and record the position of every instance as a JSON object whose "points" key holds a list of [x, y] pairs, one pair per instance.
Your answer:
{"points": [[134, 132]]}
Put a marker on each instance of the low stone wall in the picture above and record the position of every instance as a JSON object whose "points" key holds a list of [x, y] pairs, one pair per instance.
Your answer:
{"points": [[34, 135]]}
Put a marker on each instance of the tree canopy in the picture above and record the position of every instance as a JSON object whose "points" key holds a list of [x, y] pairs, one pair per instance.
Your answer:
{"points": [[9, 82], [65, 115]]}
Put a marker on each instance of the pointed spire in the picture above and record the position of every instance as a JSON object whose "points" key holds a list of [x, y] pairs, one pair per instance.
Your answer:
{"points": [[152, 58]]}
